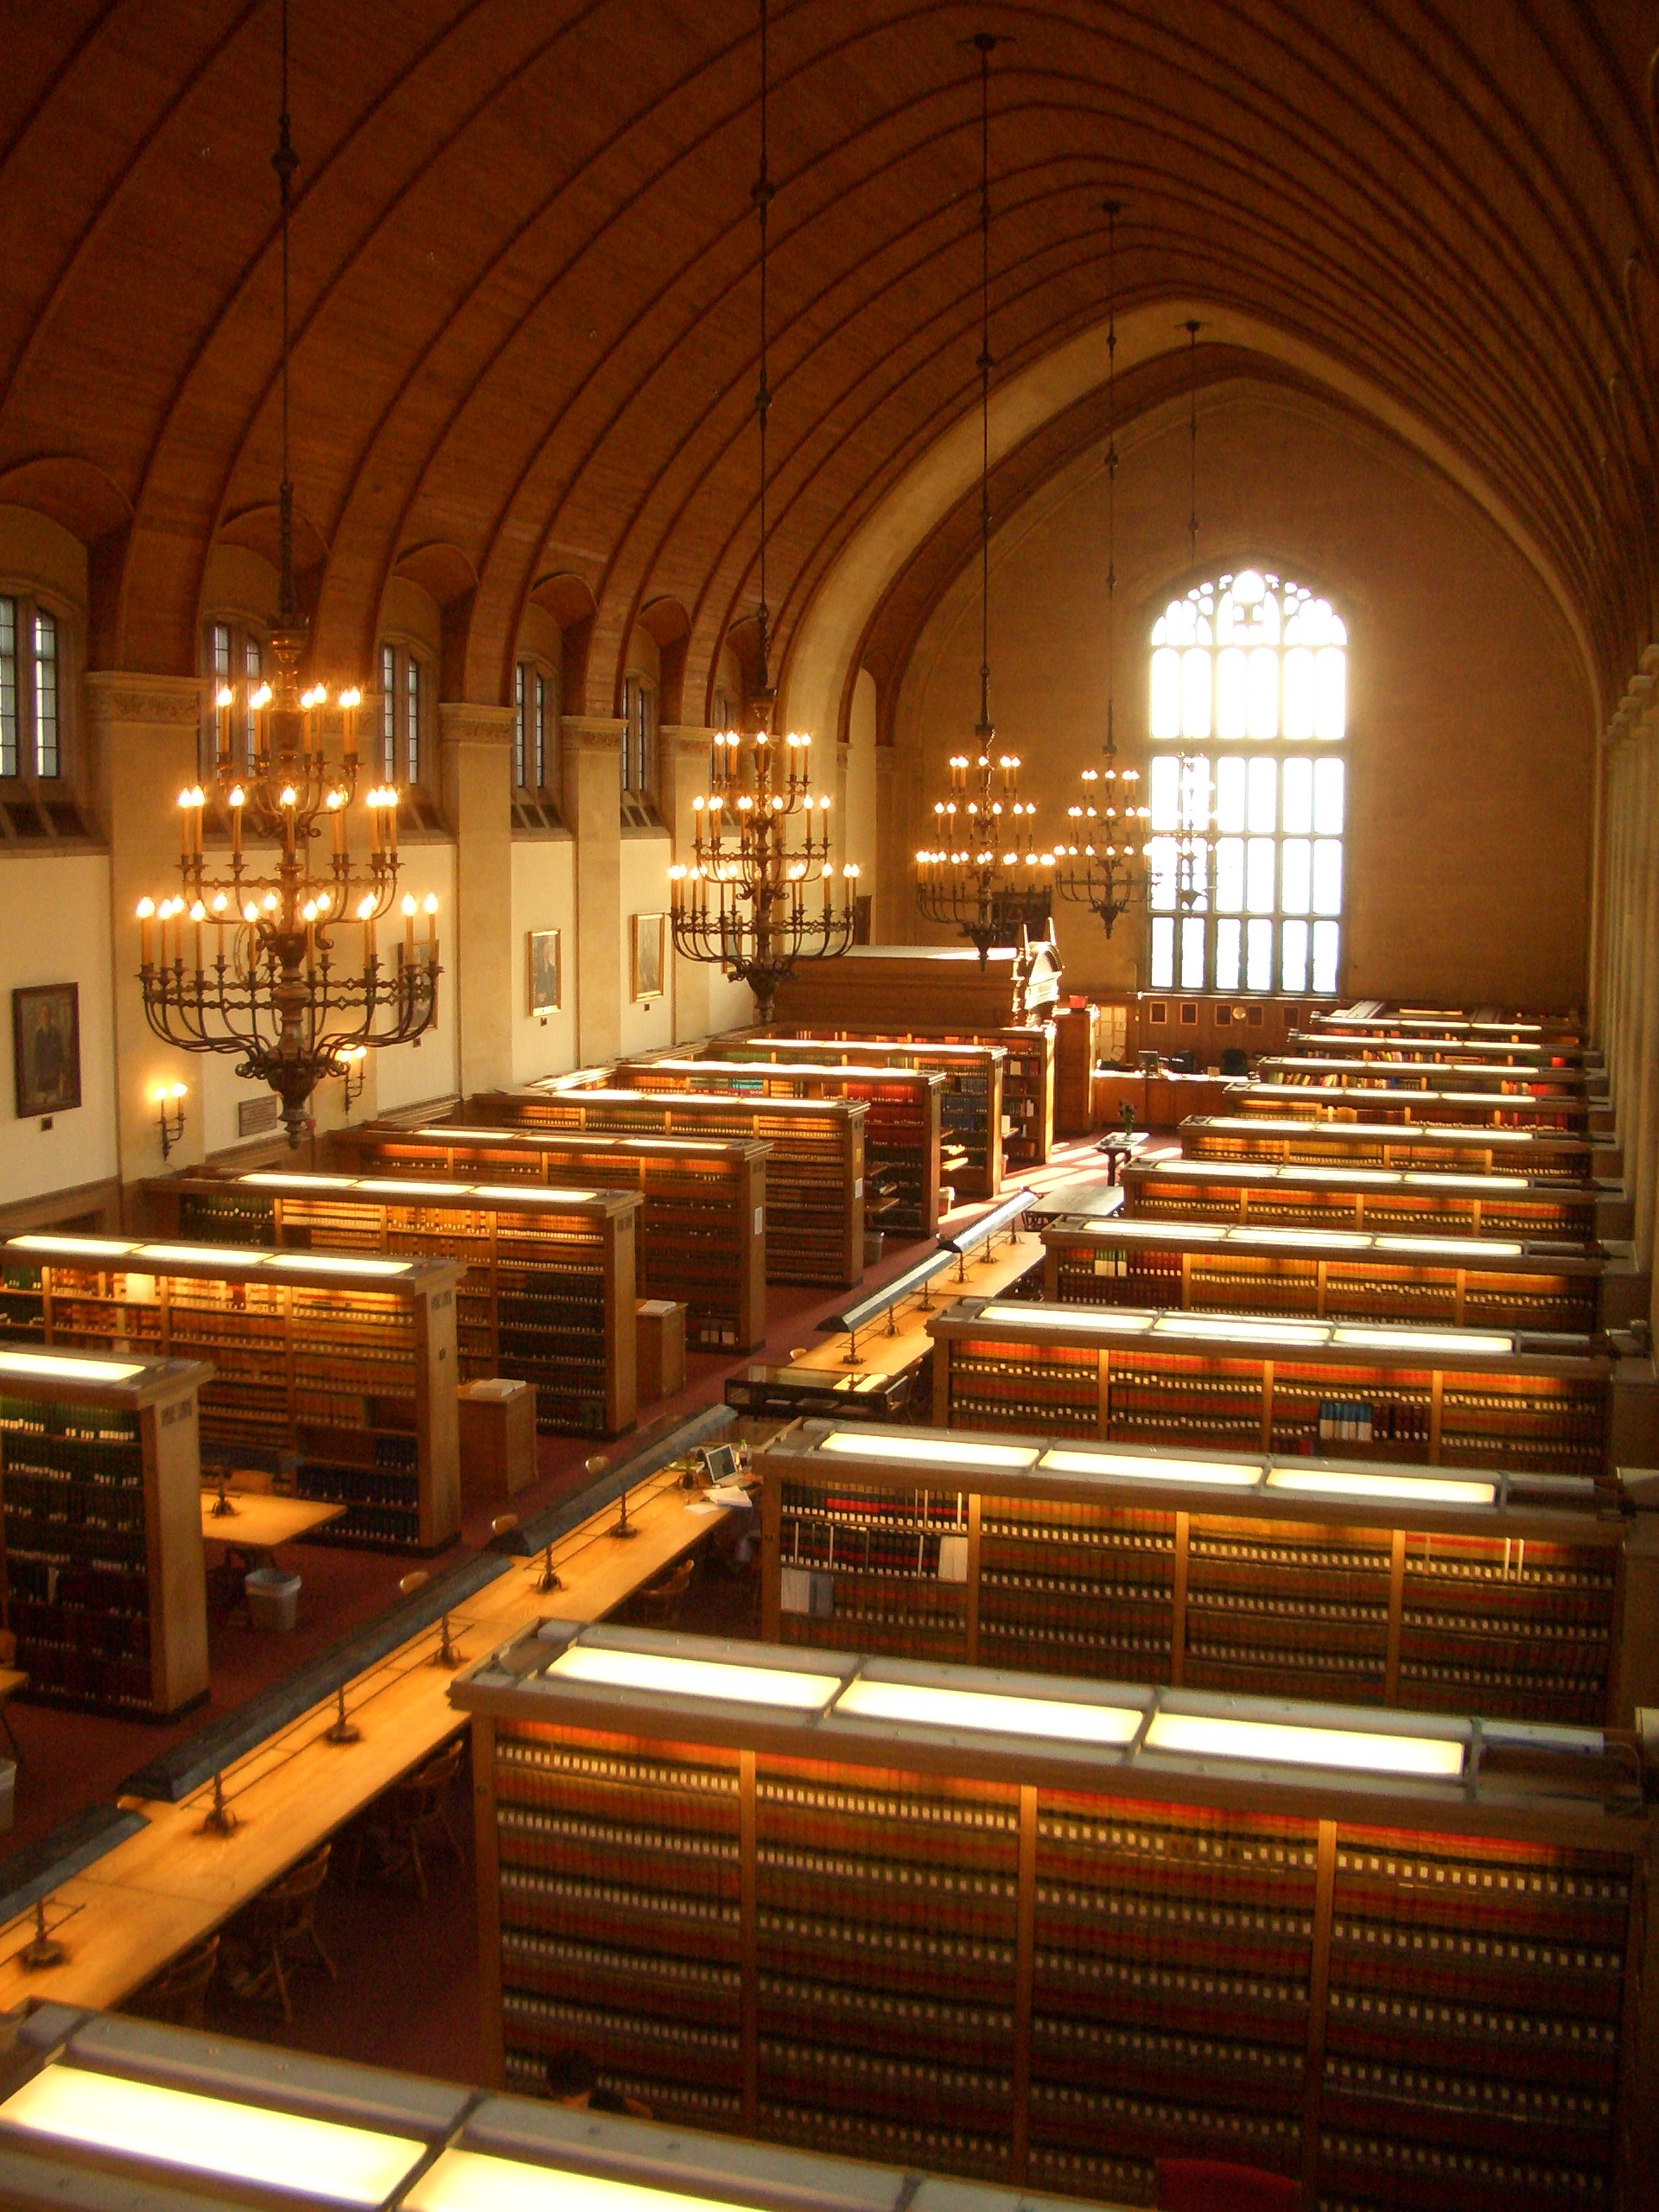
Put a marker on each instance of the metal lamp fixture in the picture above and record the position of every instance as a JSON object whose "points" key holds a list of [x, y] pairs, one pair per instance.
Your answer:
{"points": [[753, 900], [249, 961], [1103, 864], [985, 875]]}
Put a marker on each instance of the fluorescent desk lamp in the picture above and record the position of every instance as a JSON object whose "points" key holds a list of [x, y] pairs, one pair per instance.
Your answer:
{"points": [[936, 1452], [241, 2143], [62, 1367], [1404, 1489], [78, 1248], [1060, 1719], [1278, 1744], [469, 2181], [1136, 1466], [661, 1674]]}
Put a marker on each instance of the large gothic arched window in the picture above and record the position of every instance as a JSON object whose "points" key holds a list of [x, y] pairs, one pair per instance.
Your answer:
{"points": [[1248, 716]]}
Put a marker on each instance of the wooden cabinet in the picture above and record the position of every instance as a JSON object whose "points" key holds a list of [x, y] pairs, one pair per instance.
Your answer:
{"points": [[100, 1478]]}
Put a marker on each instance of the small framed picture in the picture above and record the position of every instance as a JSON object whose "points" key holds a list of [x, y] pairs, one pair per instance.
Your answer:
{"points": [[649, 955], [546, 973], [46, 1049]]}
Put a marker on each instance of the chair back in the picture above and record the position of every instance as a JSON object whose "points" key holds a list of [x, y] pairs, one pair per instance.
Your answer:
{"points": [[1214, 2185]]}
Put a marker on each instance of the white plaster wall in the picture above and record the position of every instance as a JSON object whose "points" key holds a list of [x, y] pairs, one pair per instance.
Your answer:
{"points": [[55, 928], [858, 830], [406, 1075], [543, 898]]}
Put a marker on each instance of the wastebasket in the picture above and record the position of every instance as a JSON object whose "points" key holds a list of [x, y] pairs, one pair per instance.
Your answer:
{"points": [[273, 1598]]}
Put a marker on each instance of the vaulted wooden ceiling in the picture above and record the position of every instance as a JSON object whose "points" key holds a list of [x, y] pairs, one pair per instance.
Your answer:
{"points": [[524, 257]]}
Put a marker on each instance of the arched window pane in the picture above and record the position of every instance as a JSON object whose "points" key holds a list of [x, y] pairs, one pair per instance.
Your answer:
{"points": [[1195, 692], [1234, 670], [1227, 954], [1163, 953], [1258, 876], [1258, 956], [1326, 946], [1162, 862], [1229, 794], [1264, 811], [1327, 876], [1197, 792], [1164, 791], [1296, 810], [1166, 692], [1264, 692], [1229, 875], [1295, 875], [1299, 692], [1192, 953], [1327, 798], [1293, 957], [1330, 699]]}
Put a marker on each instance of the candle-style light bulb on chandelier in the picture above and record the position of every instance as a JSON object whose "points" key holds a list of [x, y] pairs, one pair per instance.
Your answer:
{"points": [[1102, 863], [251, 960], [1194, 842], [752, 900], [984, 875]]}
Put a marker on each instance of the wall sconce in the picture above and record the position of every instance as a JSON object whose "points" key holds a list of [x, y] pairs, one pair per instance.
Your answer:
{"points": [[353, 1074], [169, 1100]]}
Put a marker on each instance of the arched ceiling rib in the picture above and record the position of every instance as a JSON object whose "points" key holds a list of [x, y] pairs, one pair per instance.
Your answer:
{"points": [[524, 265]]}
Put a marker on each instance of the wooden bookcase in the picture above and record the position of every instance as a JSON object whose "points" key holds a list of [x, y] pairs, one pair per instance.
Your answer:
{"points": [[1445, 1397], [1079, 1035], [338, 1368], [1530, 1597], [970, 1105], [1354, 1273], [1034, 1957], [1373, 1017], [903, 1122], [814, 1215], [1028, 1078], [702, 1227], [105, 1584], [1540, 1059], [1320, 1068], [1370, 1197], [1545, 1155], [547, 1290], [1374, 1104]]}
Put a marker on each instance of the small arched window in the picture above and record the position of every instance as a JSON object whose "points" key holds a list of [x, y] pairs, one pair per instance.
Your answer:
{"points": [[1247, 788], [234, 651], [31, 690], [407, 707]]}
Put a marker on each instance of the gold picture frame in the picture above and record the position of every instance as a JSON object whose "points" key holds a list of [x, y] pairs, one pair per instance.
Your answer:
{"points": [[648, 961], [544, 972]]}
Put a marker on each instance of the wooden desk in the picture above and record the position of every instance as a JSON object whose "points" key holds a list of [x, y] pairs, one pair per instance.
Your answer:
{"points": [[168, 1886], [261, 1523]]}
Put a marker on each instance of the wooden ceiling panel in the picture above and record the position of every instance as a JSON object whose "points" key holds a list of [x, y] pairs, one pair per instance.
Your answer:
{"points": [[523, 275]]}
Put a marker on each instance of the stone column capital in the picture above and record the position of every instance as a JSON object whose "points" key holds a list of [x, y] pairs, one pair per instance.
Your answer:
{"points": [[592, 732], [117, 694], [467, 722]]}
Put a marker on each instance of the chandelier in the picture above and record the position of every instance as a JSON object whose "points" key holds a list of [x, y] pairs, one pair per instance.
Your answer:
{"points": [[252, 958], [1107, 871], [755, 900], [984, 875]]}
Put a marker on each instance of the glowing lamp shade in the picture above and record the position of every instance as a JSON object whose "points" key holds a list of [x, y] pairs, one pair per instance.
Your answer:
{"points": [[74, 1247], [1452, 1248], [1401, 1490], [269, 1180], [1059, 1719], [659, 1675], [531, 1194], [340, 1263], [388, 1186], [160, 1255], [1404, 1336], [1366, 1175], [466, 2181], [1220, 1328], [1278, 1744], [931, 1451], [1437, 1180], [1185, 1232], [1142, 1466], [44, 1367], [1324, 1240], [1095, 1320], [317, 2159]]}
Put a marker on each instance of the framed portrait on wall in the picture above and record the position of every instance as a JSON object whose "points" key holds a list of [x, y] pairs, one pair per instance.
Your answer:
{"points": [[649, 955], [545, 973], [46, 1049]]}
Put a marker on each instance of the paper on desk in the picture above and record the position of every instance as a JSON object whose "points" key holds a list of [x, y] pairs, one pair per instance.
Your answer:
{"points": [[729, 1493]]}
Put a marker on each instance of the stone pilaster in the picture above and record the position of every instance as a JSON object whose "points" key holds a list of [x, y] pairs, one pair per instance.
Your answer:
{"points": [[475, 774], [889, 909], [684, 753], [143, 732], [593, 807]]}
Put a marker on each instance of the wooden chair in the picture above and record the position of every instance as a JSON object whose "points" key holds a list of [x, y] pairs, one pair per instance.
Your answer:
{"points": [[659, 1605], [179, 1994], [416, 1812], [1213, 2185], [277, 1933]]}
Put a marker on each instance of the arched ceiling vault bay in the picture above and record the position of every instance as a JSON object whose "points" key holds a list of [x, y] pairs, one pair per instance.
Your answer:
{"points": [[523, 263]]}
